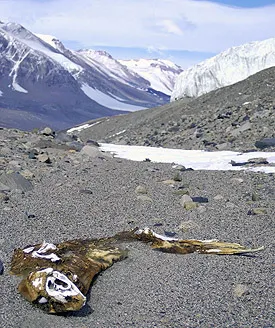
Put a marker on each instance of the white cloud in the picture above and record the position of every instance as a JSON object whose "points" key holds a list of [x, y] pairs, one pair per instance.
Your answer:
{"points": [[170, 27], [169, 24]]}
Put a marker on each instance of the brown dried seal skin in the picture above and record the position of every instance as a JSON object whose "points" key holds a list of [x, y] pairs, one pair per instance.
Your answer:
{"points": [[57, 277]]}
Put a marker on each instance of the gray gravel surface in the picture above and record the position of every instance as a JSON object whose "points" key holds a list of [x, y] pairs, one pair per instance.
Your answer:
{"points": [[149, 288]]}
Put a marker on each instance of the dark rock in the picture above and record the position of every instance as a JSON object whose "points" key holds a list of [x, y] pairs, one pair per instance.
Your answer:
{"points": [[85, 191], [158, 224], [29, 215], [258, 161], [209, 143], [92, 142], [200, 199], [192, 126], [224, 115], [265, 143], [33, 153], [1, 267], [75, 145], [147, 160], [169, 234]]}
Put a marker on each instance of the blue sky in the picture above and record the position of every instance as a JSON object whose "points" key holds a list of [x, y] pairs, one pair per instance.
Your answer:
{"points": [[184, 31], [245, 3]]}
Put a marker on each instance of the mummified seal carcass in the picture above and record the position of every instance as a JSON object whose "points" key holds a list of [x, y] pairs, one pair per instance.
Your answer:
{"points": [[57, 277]]}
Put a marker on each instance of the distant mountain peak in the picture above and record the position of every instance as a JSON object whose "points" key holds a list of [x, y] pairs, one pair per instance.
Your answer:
{"points": [[96, 52], [42, 82], [230, 66], [161, 73]]}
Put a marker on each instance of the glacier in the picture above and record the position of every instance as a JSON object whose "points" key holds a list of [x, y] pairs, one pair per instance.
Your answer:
{"points": [[226, 68]]}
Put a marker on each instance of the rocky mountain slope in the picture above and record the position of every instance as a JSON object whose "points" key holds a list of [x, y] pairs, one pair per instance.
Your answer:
{"points": [[43, 83], [233, 117], [228, 67]]}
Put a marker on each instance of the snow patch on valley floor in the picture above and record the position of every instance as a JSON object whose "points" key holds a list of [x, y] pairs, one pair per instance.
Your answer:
{"points": [[107, 101], [1, 93], [195, 159]]}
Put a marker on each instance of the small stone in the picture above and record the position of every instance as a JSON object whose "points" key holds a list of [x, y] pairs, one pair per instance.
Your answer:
{"points": [[27, 174], [255, 197], [15, 164], [218, 197], [201, 209], [145, 198], [237, 180], [75, 145], [140, 190], [257, 211], [188, 225], [180, 168], [44, 158], [90, 151], [47, 131], [169, 182], [177, 177], [147, 160], [190, 205], [184, 199], [4, 197], [182, 192], [63, 137], [223, 146], [240, 290]]}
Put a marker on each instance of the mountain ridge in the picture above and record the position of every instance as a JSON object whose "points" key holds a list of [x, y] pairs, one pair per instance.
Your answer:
{"points": [[58, 87], [226, 68]]}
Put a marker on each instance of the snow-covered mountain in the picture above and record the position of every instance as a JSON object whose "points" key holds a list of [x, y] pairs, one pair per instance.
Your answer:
{"points": [[160, 73], [104, 62], [228, 67], [53, 85]]}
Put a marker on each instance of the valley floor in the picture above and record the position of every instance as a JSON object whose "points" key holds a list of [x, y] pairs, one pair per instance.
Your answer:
{"points": [[91, 196]]}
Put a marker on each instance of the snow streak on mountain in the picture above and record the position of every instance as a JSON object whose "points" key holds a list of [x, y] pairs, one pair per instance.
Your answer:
{"points": [[228, 67], [42, 82]]}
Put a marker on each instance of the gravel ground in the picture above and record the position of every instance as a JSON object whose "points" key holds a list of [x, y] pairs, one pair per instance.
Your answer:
{"points": [[149, 288]]}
